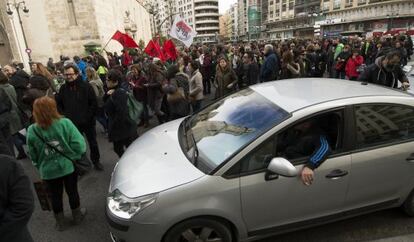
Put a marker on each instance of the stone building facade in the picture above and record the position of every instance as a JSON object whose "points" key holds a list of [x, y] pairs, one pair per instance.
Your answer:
{"points": [[63, 27]]}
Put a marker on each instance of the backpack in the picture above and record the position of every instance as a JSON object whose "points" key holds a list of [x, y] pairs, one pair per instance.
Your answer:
{"points": [[135, 108]]}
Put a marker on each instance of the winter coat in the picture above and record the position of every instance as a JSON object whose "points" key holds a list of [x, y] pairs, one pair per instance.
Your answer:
{"points": [[374, 73], [352, 66], [16, 201], [77, 101], [98, 89], [196, 86], [20, 80], [177, 91], [206, 67], [138, 88], [63, 135], [155, 93], [250, 74], [120, 126], [270, 69], [15, 113], [223, 79]]}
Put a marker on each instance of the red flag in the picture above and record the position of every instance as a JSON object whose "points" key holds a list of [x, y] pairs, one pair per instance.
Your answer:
{"points": [[153, 49], [170, 50], [125, 40]]}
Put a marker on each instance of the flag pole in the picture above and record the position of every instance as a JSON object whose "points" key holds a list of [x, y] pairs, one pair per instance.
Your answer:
{"points": [[106, 45]]}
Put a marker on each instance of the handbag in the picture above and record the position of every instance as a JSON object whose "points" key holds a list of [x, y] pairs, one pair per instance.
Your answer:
{"points": [[83, 166], [43, 195]]}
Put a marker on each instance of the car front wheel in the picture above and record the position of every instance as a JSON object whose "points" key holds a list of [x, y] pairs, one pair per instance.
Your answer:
{"points": [[199, 230], [408, 205]]}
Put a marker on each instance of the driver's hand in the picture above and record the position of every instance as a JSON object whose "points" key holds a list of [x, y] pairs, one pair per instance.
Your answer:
{"points": [[405, 84], [307, 176]]}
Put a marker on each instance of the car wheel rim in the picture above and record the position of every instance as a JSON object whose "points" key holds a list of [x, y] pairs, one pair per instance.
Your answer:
{"points": [[201, 234]]}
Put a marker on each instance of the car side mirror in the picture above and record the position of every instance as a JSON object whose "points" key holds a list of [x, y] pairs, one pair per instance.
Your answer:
{"points": [[282, 167]]}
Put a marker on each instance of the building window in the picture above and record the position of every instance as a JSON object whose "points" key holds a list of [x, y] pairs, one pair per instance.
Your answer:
{"points": [[337, 4], [72, 13]]}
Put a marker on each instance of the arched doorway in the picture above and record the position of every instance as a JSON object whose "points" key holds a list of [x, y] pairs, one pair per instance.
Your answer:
{"points": [[6, 56]]}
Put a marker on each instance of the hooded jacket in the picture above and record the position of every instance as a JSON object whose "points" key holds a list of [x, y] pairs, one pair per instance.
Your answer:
{"points": [[376, 74]]}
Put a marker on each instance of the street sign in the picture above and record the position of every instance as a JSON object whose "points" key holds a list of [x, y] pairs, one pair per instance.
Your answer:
{"points": [[28, 51]]}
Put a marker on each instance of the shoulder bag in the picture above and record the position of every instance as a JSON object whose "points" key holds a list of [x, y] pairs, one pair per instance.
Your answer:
{"points": [[82, 166]]}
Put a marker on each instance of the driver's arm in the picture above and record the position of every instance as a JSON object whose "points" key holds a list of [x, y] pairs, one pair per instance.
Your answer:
{"points": [[320, 152]]}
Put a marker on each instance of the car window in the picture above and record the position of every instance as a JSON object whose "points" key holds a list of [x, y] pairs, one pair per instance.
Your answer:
{"points": [[292, 145], [297, 144], [380, 124]]}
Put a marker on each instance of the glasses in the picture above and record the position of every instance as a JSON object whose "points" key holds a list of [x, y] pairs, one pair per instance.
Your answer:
{"points": [[69, 74]]}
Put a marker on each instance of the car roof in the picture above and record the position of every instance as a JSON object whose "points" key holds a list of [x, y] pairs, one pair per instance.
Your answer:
{"points": [[295, 94]]}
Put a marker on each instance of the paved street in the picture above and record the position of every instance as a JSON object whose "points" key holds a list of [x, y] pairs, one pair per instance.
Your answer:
{"points": [[93, 189]]}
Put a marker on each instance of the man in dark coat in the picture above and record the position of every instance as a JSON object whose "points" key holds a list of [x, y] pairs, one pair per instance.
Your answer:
{"points": [[19, 79], [16, 201], [77, 101], [6, 141], [386, 71], [269, 70], [122, 131], [250, 71]]}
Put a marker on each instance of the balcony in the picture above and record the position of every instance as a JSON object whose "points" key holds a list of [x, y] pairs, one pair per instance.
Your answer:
{"points": [[205, 1], [207, 21], [207, 14], [208, 28], [205, 7]]}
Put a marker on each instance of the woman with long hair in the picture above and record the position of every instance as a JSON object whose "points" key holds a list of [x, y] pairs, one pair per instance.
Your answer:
{"points": [[137, 79], [51, 133], [41, 78], [98, 88], [226, 79], [290, 68]]}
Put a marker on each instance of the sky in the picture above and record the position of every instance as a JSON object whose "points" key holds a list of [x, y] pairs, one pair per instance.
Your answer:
{"points": [[225, 4]]}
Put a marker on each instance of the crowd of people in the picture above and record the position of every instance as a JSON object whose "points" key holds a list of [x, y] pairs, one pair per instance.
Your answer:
{"points": [[61, 101]]}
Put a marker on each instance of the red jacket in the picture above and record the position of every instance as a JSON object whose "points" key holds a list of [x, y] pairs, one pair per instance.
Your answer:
{"points": [[352, 65]]}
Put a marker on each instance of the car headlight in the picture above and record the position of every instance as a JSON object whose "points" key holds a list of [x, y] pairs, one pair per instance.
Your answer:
{"points": [[126, 207]]}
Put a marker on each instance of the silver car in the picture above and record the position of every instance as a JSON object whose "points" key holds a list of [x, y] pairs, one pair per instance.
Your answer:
{"points": [[223, 174]]}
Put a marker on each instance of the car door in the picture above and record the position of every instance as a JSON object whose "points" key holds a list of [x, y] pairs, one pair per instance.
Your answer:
{"points": [[270, 201], [381, 164]]}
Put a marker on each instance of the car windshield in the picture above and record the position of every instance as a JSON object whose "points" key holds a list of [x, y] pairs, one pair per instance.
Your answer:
{"points": [[220, 130]]}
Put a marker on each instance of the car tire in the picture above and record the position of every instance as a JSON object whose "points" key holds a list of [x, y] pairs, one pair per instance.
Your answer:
{"points": [[199, 229], [408, 205]]}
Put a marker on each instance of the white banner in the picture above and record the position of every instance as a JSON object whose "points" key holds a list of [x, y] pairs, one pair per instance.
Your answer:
{"points": [[182, 31]]}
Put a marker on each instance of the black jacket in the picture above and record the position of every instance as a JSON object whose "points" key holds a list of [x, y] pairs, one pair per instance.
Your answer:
{"points": [[16, 201], [77, 101], [20, 81], [374, 73], [120, 126], [250, 74]]}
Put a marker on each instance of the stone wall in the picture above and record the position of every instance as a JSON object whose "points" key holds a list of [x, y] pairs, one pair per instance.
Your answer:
{"points": [[69, 39]]}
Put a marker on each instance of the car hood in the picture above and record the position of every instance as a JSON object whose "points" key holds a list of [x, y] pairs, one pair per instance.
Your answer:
{"points": [[153, 163]]}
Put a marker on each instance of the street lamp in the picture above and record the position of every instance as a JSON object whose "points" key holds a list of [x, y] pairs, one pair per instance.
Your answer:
{"points": [[17, 6]]}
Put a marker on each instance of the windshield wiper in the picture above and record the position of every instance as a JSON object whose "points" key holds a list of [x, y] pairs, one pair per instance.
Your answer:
{"points": [[195, 152]]}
